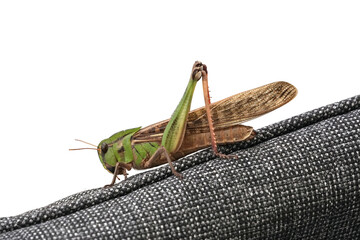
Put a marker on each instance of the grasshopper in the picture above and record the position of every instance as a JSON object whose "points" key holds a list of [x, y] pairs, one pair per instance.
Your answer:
{"points": [[189, 131]]}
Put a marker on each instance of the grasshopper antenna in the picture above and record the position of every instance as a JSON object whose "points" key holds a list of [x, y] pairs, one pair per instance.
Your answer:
{"points": [[84, 148], [72, 149], [85, 142]]}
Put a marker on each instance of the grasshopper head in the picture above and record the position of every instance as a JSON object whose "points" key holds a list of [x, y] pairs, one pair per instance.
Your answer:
{"points": [[111, 150], [106, 152]]}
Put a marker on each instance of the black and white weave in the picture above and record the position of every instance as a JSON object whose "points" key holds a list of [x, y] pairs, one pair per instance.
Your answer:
{"points": [[298, 179]]}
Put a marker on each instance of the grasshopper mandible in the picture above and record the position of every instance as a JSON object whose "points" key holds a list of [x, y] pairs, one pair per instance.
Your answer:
{"points": [[189, 131]]}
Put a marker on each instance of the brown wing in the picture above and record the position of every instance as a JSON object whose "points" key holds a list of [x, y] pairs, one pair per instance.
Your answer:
{"points": [[243, 106], [228, 112]]}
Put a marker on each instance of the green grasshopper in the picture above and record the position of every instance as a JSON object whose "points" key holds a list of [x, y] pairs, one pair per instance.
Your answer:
{"points": [[189, 131]]}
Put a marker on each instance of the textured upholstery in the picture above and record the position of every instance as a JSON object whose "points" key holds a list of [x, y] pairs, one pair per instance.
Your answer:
{"points": [[297, 179]]}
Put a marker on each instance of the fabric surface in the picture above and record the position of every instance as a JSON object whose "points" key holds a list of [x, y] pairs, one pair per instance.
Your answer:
{"points": [[297, 179]]}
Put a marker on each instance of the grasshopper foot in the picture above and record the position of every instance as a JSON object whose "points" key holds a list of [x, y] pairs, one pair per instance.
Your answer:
{"points": [[225, 156], [180, 176]]}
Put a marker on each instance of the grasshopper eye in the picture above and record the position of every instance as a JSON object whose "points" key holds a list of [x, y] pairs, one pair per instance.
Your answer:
{"points": [[104, 148]]}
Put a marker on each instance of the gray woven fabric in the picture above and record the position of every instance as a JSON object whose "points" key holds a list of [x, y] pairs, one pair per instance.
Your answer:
{"points": [[298, 179]]}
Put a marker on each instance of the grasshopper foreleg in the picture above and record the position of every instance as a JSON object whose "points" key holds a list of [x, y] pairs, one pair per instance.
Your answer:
{"points": [[120, 168]]}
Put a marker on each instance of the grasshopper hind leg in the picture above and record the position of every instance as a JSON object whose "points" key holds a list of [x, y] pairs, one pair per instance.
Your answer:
{"points": [[204, 75]]}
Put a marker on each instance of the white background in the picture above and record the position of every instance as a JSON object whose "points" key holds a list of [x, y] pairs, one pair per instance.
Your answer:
{"points": [[87, 69]]}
